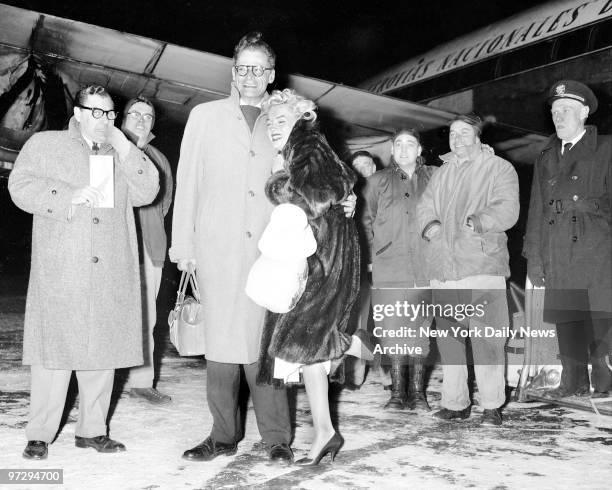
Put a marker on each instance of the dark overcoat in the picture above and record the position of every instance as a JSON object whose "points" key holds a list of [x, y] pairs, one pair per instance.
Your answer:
{"points": [[315, 330], [83, 306], [569, 239]]}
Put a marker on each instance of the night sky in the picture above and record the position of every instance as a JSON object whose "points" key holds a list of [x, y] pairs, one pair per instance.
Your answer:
{"points": [[337, 40]]}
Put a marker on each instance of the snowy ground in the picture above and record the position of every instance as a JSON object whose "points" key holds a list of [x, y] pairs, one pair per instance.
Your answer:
{"points": [[539, 446]]}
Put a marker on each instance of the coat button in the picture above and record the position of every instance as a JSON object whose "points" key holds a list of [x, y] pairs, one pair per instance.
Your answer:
{"points": [[94, 259], [574, 238], [49, 210], [248, 234], [574, 177], [574, 219], [575, 198], [407, 195], [251, 193], [252, 153], [551, 222], [54, 192], [140, 172], [95, 221]]}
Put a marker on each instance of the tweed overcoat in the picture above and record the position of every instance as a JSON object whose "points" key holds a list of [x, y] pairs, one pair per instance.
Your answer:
{"points": [[83, 306], [220, 212], [569, 228]]}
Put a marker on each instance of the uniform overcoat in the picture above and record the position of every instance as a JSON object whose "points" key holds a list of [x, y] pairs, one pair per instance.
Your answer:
{"points": [[220, 212], [83, 306], [569, 228]]}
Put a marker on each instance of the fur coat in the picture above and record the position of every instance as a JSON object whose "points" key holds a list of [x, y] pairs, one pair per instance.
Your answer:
{"points": [[315, 179]]}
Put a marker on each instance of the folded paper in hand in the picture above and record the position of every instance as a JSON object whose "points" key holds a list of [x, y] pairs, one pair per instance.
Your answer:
{"points": [[101, 176]]}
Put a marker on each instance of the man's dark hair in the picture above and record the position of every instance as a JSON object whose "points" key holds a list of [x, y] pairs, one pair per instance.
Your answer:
{"points": [[409, 131], [84, 92], [254, 40], [135, 100], [361, 153], [472, 119]]}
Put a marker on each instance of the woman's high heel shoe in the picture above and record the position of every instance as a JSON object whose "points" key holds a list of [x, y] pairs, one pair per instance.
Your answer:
{"points": [[332, 447]]}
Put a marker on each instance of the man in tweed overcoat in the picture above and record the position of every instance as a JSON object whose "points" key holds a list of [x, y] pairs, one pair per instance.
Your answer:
{"points": [[83, 309]]}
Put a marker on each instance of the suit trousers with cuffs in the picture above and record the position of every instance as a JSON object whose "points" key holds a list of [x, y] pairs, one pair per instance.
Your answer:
{"points": [[48, 391], [150, 279], [270, 404]]}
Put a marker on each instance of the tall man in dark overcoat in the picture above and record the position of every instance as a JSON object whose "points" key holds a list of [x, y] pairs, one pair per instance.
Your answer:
{"points": [[568, 244]]}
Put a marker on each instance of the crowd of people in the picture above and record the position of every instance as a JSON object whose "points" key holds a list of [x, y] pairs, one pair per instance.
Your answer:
{"points": [[421, 235]]}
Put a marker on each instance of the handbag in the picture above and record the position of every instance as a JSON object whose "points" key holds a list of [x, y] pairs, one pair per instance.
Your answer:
{"points": [[186, 319]]}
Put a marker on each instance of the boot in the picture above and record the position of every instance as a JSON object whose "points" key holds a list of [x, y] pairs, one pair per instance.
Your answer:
{"points": [[417, 394], [398, 386]]}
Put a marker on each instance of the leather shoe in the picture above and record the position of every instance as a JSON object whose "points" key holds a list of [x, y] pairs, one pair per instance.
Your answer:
{"points": [[102, 444], [36, 450], [563, 392], [152, 395], [601, 394], [281, 453], [209, 449], [446, 414], [491, 417]]}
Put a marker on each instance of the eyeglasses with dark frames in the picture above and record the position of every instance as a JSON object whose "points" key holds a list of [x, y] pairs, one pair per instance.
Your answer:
{"points": [[256, 70], [137, 115], [97, 113]]}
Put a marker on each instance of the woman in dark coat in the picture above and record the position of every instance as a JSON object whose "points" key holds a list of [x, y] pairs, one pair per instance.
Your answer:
{"points": [[313, 333]]}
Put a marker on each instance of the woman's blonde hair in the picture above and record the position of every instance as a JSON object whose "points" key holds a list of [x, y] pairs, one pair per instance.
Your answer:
{"points": [[302, 107]]}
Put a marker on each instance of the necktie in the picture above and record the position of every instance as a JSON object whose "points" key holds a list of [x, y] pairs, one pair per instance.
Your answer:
{"points": [[566, 147], [95, 148]]}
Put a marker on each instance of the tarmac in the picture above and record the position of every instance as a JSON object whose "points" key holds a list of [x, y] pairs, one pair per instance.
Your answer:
{"points": [[539, 445]]}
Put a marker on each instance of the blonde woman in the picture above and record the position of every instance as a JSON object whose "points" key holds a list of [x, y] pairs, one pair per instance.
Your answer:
{"points": [[313, 334]]}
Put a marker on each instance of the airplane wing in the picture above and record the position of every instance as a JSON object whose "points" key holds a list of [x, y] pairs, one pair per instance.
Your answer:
{"points": [[177, 78]]}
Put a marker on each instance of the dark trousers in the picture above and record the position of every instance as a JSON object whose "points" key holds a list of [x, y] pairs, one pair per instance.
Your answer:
{"points": [[576, 341], [270, 404]]}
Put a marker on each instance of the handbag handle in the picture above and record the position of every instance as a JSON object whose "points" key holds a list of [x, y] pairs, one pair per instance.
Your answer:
{"points": [[195, 288], [187, 278], [180, 293]]}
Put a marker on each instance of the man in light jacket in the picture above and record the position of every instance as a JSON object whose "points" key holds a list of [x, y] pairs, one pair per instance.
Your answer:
{"points": [[468, 205]]}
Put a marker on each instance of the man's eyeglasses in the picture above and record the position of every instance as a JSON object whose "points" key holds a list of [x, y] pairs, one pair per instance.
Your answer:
{"points": [[97, 113], [256, 70], [137, 115]]}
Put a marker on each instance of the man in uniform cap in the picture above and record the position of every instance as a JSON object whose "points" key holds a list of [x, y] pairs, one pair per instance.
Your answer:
{"points": [[568, 244]]}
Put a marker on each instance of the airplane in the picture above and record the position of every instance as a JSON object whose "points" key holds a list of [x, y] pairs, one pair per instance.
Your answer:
{"points": [[44, 59], [53, 56], [504, 70]]}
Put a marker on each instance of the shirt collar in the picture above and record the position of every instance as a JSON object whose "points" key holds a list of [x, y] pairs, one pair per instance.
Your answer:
{"points": [[397, 168], [574, 140]]}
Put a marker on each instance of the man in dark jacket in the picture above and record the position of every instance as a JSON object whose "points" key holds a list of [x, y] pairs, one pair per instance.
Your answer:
{"points": [[137, 125], [568, 243]]}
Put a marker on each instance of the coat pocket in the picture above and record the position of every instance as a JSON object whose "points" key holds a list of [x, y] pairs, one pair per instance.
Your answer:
{"points": [[493, 244], [383, 248]]}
